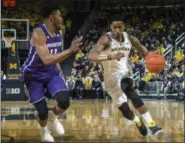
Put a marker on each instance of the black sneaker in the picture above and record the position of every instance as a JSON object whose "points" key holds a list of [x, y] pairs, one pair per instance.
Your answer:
{"points": [[155, 128], [141, 127]]}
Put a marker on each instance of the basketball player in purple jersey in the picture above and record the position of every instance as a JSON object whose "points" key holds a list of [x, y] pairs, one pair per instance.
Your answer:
{"points": [[41, 71], [113, 50]]}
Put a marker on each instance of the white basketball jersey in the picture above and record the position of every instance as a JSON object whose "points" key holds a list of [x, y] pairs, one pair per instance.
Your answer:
{"points": [[118, 66]]}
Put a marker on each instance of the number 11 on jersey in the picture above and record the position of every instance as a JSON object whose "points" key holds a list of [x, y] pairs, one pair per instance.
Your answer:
{"points": [[53, 51]]}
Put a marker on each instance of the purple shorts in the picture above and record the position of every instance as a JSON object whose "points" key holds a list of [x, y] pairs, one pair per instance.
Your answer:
{"points": [[37, 89]]}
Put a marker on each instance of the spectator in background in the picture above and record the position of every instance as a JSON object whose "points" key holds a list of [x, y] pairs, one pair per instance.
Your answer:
{"points": [[179, 56], [160, 48], [74, 71], [70, 82], [176, 72], [68, 24], [87, 81], [79, 88], [181, 95], [135, 58], [98, 88], [85, 70], [63, 28], [79, 55]]}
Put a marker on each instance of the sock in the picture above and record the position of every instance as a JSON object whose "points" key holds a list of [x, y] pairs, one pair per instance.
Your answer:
{"points": [[45, 128], [147, 117], [136, 119]]}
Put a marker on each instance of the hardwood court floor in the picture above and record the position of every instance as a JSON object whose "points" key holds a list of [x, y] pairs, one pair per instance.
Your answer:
{"points": [[94, 121]]}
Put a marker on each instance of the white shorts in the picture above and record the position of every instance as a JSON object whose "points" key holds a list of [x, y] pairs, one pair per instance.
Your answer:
{"points": [[113, 86]]}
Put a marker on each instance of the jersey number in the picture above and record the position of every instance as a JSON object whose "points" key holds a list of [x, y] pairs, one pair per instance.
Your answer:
{"points": [[53, 51]]}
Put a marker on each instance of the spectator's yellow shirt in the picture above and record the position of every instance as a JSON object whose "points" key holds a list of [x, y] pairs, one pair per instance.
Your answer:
{"points": [[154, 25], [161, 49], [179, 55], [143, 34], [68, 24], [148, 76], [79, 55], [87, 81], [176, 73], [91, 72], [159, 25], [135, 59], [63, 28]]}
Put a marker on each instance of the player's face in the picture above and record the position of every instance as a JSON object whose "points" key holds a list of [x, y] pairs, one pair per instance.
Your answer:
{"points": [[117, 28], [57, 19]]}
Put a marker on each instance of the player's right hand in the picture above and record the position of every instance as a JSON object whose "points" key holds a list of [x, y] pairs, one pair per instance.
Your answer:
{"points": [[76, 44], [117, 56]]}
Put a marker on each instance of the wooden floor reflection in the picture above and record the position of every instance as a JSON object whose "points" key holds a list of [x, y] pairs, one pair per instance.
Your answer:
{"points": [[94, 120]]}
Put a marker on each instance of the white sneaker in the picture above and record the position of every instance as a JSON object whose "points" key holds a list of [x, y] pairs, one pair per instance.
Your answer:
{"points": [[54, 124], [46, 135]]}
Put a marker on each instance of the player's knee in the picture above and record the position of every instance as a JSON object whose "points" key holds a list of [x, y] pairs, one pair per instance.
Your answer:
{"points": [[42, 109], [126, 83], [142, 85], [63, 99], [127, 87], [135, 98], [118, 97], [126, 112]]}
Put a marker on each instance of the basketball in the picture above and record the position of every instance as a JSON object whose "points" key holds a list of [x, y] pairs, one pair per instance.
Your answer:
{"points": [[155, 62]]}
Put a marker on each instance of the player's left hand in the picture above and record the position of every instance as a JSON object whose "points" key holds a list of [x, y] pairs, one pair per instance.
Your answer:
{"points": [[154, 52], [76, 44]]}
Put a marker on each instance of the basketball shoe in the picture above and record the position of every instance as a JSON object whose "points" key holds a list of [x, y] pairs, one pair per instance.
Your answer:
{"points": [[54, 124], [46, 135], [155, 128], [141, 127]]}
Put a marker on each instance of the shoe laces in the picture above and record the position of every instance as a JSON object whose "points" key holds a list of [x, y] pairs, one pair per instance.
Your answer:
{"points": [[152, 124]]}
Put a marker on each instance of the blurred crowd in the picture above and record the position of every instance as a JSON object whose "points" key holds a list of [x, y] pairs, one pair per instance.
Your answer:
{"points": [[156, 29], [32, 13]]}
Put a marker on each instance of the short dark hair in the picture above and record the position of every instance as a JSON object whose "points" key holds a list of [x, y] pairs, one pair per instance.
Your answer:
{"points": [[116, 18], [47, 10]]}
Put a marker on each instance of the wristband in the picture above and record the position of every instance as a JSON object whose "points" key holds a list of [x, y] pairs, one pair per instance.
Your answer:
{"points": [[109, 57], [102, 57]]}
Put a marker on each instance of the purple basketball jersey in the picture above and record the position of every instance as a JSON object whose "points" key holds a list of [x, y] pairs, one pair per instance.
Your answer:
{"points": [[34, 67]]}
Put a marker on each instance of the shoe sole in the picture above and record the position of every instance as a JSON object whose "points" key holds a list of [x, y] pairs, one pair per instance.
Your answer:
{"points": [[140, 132], [158, 132], [54, 131], [150, 134]]}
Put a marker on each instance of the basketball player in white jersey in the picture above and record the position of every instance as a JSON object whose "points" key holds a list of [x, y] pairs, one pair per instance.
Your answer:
{"points": [[112, 50]]}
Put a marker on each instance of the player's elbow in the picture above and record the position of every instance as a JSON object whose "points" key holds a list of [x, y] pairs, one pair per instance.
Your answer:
{"points": [[49, 60], [93, 57]]}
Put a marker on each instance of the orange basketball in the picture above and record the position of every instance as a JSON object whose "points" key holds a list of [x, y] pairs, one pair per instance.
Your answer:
{"points": [[154, 62]]}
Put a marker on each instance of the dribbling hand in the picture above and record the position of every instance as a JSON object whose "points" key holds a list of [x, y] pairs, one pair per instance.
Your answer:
{"points": [[117, 56], [76, 44]]}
